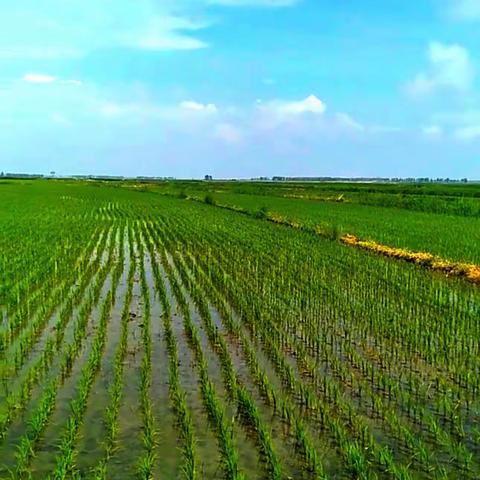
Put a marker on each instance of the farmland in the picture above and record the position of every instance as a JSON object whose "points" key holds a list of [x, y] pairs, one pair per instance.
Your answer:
{"points": [[173, 331]]}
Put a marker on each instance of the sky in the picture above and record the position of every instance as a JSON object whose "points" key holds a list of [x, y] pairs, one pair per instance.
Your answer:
{"points": [[241, 88]]}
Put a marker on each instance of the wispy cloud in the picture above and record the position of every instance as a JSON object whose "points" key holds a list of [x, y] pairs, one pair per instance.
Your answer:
{"points": [[450, 67], [164, 32], [78, 28], [77, 83], [170, 42], [345, 120], [468, 133], [117, 109], [254, 3], [228, 133], [191, 105], [465, 9], [181, 116], [432, 131], [38, 78]]}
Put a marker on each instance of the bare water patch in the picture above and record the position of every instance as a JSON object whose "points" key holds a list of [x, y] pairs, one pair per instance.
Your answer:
{"points": [[123, 464]]}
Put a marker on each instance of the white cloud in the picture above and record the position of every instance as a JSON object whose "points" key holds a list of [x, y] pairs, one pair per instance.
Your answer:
{"points": [[198, 107], [465, 9], [308, 118], [41, 78], [130, 110], [228, 133], [282, 108], [38, 78], [467, 133], [345, 120], [77, 83], [432, 131], [450, 68], [127, 124]]}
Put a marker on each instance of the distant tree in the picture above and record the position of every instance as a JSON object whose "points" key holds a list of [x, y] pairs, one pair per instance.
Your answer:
{"points": [[208, 177]]}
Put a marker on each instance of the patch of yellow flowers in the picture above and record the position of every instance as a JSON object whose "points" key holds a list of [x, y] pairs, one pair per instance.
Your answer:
{"points": [[466, 270]]}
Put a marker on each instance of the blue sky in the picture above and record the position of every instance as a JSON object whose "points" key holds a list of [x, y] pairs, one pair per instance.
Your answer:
{"points": [[241, 88]]}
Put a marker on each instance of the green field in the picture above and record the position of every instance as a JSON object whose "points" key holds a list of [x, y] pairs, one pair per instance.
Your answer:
{"points": [[396, 215], [148, 335]]}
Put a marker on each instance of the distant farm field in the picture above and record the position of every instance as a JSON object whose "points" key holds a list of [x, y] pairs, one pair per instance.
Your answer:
{"points": [[205, 330]]}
